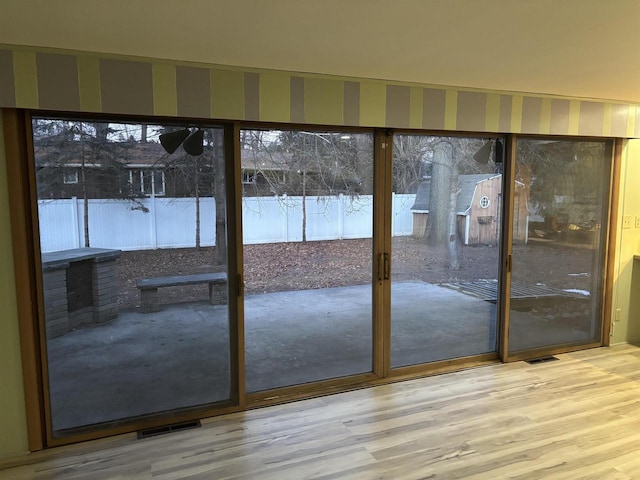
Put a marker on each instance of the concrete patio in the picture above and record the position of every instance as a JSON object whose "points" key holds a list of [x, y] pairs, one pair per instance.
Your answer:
{"points": [[148, 363]]}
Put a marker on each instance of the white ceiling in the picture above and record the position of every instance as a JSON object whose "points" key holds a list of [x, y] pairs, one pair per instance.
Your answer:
{"points": [[580, 48]]}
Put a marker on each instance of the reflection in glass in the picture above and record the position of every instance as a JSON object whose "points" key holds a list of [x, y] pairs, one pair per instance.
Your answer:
{"points": [[445, 257], [307, 225], [133, 271], [557, 269]]}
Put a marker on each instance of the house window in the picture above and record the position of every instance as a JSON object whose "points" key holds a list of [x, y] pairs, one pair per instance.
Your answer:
{"points": [[248, 178], [70, 178], [147, 182], [484, 201], [157, 182]]}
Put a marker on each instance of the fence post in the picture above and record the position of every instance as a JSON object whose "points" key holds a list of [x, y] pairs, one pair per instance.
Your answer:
{"points": [[341, 218], [153, 226], [76, 222], [215, 221], [284, 216], [393, 214]]}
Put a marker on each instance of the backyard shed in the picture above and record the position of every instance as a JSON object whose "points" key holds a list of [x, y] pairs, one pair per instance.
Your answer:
{"points": [[478, 209]]}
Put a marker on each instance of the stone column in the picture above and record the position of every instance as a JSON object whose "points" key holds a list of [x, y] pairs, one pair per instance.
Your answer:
{"points": [[54, 285], [218, 293], [105, 289]]}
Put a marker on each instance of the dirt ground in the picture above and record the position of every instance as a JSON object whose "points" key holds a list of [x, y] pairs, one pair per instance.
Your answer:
{"points": [[299, 266]]}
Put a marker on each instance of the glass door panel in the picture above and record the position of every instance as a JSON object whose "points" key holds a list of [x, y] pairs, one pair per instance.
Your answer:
{"points": [[307, 226], [561, 191], [446, 231], [133, 243]]}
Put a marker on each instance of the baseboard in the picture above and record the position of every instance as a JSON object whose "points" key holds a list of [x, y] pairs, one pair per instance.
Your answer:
{"points": [[14, 460]]}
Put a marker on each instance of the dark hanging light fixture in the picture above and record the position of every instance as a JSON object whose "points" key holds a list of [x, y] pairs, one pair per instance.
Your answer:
{"points": [[499, 152], [483, 155], [193, 143], [172, 140]]}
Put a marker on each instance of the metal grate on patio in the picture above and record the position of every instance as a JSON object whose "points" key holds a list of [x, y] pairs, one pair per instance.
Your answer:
{"points": [[487, 290]]}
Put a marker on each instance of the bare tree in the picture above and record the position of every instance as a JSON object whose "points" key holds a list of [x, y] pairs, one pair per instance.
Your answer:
{"points": [[203, 176], [76, 159], [412, 160], [448, 158], [306, 163], [555, 171], [217, 151]]}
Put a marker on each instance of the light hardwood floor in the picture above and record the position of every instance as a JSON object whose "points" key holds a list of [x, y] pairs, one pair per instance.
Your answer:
{"points": [[574, 418]]}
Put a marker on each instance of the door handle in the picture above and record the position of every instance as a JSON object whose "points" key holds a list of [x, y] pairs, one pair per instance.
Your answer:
{"points": [[387, 267], [384, 268], [240, 285]]}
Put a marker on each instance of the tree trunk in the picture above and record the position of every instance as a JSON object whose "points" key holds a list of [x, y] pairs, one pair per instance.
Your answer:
{"points": [[197, 197], [439, 196], [219, 194], [85, 201], [454, 259], [85, 196], [304, 206], [102, 130], [364, 165]]}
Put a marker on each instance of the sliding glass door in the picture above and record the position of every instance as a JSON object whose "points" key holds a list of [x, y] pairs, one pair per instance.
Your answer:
{"points": [[307, 214], [561, 193], [342, 276], [446, 219], [134, 270]]}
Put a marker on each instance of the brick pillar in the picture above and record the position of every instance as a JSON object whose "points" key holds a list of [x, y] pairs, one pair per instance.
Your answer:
{"points": [[218, 294], [54, 283], [105, 289], [149, 301]]}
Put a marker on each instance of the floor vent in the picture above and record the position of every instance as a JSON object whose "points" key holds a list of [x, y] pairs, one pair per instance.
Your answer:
{"points": [[176, 427], [536, 361]]}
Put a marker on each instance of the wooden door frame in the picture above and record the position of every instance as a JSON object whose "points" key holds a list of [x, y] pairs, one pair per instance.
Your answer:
{"points": [[440, 366], [25, 237], [21, 197], [612, 242], [383, 158], [506, 254], [608, 236]]}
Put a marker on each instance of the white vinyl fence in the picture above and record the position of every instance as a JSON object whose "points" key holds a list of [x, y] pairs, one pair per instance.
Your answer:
{"points": [[171, 222]]}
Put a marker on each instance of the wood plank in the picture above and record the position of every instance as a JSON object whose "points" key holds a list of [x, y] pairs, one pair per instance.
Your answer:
{"points": [[574, 418]]}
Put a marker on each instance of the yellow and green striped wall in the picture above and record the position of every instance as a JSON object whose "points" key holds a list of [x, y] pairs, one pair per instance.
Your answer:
{"points": [[73, 81]]}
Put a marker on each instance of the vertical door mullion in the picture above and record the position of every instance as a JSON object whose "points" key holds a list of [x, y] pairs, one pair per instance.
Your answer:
{"points": [[504, 297], [388, 207], [611, 238], [382, 252], [233, 177]]}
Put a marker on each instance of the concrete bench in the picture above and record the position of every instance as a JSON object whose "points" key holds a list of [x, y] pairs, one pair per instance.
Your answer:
{"points": [[149, 288]]}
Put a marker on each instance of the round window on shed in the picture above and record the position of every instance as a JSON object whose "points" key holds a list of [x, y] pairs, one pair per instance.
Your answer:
{"points": [[484, 201]]}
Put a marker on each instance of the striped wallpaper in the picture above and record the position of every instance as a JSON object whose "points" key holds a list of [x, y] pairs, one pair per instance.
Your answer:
{"points": [[84, 82]]}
